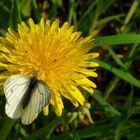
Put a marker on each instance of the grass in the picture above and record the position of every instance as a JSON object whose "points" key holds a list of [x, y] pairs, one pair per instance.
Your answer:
{"points": [[115, 105]]}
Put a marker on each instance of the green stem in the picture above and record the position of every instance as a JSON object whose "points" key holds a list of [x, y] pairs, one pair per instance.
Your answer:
{"points": [[4, 131]]}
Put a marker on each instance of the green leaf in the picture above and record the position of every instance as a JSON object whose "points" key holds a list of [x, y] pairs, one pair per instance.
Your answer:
{"points": [[108, 19], [117, 39], [44, 130], [26, 8], [15, 14], [94, 130], [101, 7], [116, 58], [108, 107], [4, 16], [125, 75], [72, 14], [124, 117], [6, 127], [36, 11]]}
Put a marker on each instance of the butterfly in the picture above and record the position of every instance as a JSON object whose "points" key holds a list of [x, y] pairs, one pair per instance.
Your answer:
{"points": [[25, 97]]}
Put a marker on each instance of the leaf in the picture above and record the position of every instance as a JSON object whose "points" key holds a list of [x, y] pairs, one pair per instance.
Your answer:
{"points": [[4, 16], [116, 58], [94, 130], [26, 8], [43, 131], [125, 75], [108, 19], [15, 14], [117, 39], [36, 11], [124, 117], [107, 106], [6, 127]]}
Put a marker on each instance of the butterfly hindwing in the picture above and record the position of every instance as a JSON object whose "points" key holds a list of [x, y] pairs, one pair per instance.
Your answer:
{"points": [[14, 89], [39, 99], [20, 88]]}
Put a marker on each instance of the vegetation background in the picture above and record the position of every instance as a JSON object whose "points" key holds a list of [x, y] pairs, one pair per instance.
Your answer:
{"points": [[115, 105]]}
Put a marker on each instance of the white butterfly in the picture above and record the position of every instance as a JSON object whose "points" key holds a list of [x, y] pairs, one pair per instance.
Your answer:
{"points": [[26, 97]]}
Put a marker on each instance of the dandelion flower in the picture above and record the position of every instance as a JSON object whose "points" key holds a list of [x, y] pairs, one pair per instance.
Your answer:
{"points": [[58, 55]]}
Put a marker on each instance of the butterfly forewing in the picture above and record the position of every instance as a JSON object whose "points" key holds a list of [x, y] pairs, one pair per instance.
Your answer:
{"points": [[39, 99], [14, 89], [20, 88], [15, 111]]}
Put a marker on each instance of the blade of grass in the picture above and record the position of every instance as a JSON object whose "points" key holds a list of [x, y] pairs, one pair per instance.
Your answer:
{"points": [[19, 128], [101, 7], [26, 8], [98, 11], [44, 130], [89, 132], [36, 11], [122, 74], [117, 39], [130, 14], [96, 130], [124, 117], [84, 16], [116, 58], [112, 84], [4, 131], [108, 107], [4, 15], [108, 19], [106, 5], [53, 11], [15, 14], [72, 12]]}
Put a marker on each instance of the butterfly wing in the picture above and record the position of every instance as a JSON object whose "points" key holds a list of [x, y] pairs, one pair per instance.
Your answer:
{"points": [[40, 98], [14, 90]]}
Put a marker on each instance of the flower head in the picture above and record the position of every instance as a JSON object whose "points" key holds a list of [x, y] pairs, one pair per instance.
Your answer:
{"points": [[57, 55]]}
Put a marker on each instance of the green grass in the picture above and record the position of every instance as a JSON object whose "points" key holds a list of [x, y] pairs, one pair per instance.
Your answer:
{"points": [[115, 105]]}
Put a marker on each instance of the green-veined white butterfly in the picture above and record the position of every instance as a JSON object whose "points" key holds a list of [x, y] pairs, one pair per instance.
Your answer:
{"points": [[26, 97]]}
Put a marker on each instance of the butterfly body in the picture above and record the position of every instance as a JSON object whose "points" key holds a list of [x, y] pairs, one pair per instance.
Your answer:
{"points": [[26, 97]]}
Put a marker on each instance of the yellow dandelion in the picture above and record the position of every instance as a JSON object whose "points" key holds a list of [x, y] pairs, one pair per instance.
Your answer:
{"points": [[58, 55]]}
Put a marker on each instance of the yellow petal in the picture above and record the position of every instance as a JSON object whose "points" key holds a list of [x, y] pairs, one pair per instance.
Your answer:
{"points": [[58, 104], [46, 110], [90, 55], [68, 96], [76, 93], [88, 64], [87, 72], [89, 89], [86, 82]]}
